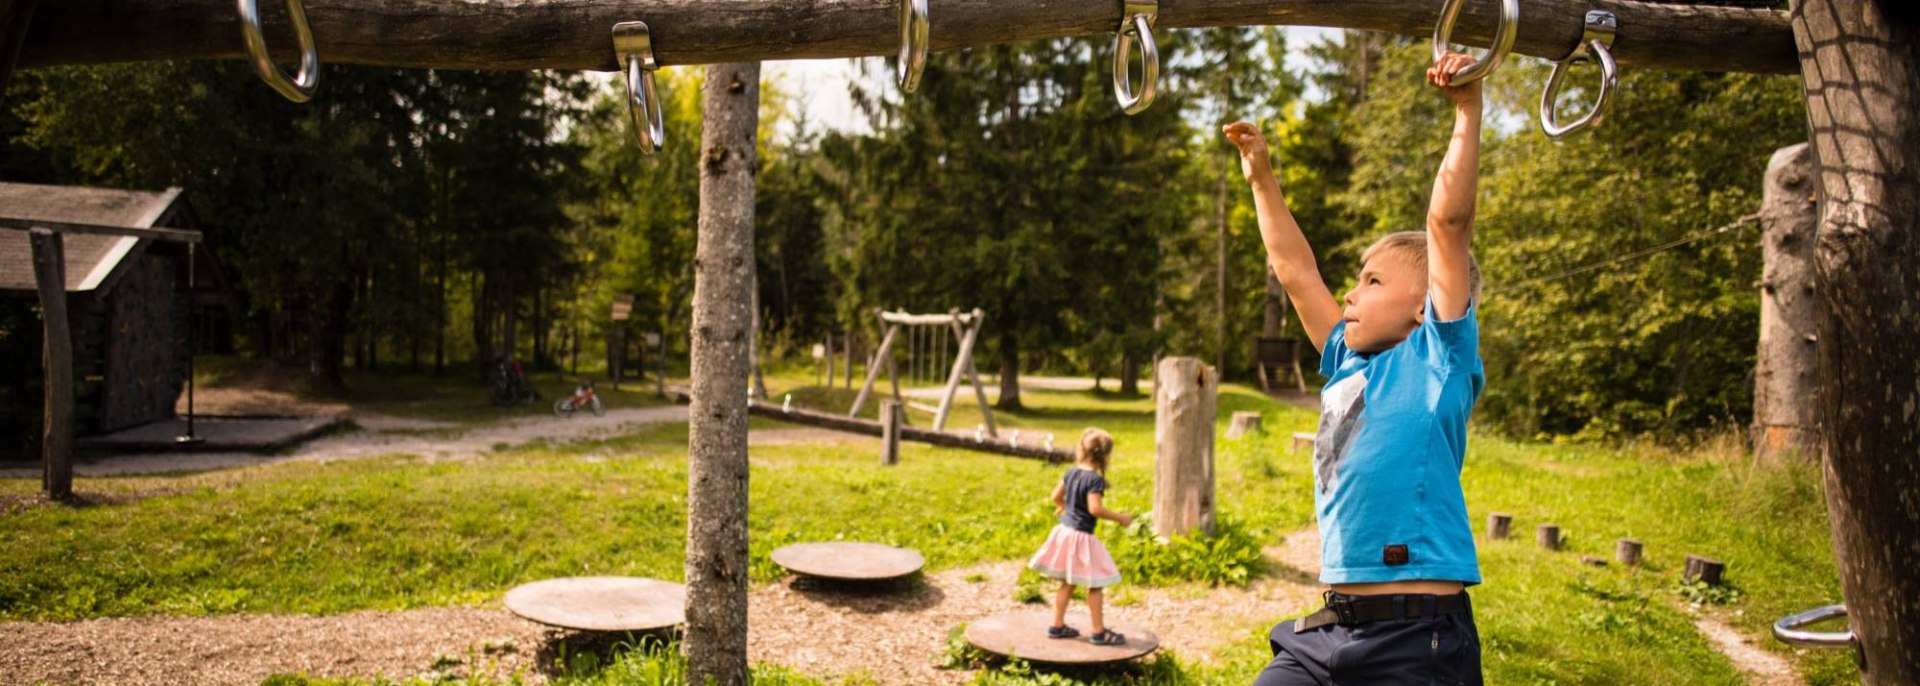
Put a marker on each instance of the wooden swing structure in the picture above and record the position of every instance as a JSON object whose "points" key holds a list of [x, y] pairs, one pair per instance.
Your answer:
{"points": [[1859, 61], [926, 339]]}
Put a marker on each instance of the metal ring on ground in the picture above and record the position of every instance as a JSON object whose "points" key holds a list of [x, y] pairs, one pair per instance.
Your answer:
{"points": [[1136, 23], [1594, 45], [913, 45], [300, 88], [633, 46], [1788, 628], [1503, 36]]}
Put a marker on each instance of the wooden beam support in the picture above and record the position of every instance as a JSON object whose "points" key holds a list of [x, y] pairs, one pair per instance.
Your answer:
{"points": [[577, 34], [1034, 450], [176, 235], [56, 438]]}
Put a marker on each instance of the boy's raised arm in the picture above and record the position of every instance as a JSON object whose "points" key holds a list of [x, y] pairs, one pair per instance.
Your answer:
{"points": [[1450, 212], [1287, 249]]}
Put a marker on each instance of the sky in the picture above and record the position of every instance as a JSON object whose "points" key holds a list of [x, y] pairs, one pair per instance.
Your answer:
{"points": [[821, 85]]}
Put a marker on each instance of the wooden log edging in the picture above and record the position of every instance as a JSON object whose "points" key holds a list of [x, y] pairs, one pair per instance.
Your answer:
{"points": [[577, 34], [1034, 451]]}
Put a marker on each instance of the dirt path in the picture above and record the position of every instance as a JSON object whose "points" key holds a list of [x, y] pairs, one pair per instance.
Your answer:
{"points": [[382, 435], [827, 631], [1761, 668]]}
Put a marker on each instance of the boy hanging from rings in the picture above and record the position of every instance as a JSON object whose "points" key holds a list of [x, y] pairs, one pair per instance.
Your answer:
{"points": [[1403, 372]]}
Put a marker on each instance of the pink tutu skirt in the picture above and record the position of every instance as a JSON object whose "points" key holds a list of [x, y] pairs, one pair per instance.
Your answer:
{"points": [[1075, 557]]}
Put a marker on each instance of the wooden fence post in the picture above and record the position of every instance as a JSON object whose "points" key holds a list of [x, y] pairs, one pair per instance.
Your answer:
{"points": [[890, 411], [1786, 380], [56, 438], [1185, 404]]}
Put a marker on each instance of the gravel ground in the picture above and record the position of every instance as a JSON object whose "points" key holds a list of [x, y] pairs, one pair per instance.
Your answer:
{"points": [[893, 636]]}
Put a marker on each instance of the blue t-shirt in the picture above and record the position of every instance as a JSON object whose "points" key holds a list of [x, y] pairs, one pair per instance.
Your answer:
{"points": [[1080, 482], [1386, 462]]}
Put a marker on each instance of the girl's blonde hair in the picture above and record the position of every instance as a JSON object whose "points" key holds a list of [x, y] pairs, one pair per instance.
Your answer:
{"points": [[1095, 447]]}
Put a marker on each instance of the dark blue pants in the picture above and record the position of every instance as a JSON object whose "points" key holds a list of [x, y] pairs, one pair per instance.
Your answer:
{"points": [[1424, 651]]}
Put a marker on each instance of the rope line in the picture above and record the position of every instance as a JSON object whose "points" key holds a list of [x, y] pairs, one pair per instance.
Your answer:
{"points": [[1637, 254]]}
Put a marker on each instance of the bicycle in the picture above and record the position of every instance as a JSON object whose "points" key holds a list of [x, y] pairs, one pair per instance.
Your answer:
{"points": [[583, 397]]}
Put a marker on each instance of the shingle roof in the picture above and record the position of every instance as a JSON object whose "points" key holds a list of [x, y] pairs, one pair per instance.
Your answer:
{"points": [[89, 258]]}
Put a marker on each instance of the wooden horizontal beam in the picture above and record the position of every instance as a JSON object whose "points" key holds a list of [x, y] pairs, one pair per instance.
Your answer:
{"points": [[1033, 451], [577, 34], [177, 235]]}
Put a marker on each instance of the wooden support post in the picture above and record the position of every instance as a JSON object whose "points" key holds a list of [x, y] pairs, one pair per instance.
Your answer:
{"points": [[960, 365], [1499, 525], [1705, 569], [1786, 379], [890, 415], [56, 437], [1243, 423], [873, 367], [1627, 551], [1549, 536], [1185, 404]]}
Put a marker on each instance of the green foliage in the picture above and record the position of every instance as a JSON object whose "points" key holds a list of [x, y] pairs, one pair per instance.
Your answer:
{"points": [[1230, 557], [1697, 593]]}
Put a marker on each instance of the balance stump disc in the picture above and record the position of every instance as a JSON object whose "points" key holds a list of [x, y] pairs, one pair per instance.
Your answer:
{"points": [[1024, 635], [849, 561], [601, 603]]}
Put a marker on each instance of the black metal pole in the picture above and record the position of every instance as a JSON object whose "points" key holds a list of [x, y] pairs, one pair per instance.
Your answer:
{"points": [[193, 341]]}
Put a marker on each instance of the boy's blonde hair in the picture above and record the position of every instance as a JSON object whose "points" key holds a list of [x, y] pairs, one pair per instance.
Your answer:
{"points": [[1412, 247], [1096, 447]]}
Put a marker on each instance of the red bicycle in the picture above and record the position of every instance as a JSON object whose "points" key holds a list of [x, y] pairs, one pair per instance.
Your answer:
{"points": [[583, 398]]}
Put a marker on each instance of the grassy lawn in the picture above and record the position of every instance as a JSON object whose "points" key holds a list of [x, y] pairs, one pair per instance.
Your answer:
{"points": [[397, 532]]}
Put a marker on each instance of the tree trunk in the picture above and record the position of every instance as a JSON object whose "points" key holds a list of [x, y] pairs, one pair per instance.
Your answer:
{"points": [[483, 327], [1785, 378], [1009, 371], [716, 567], [1129, 374], [1220, 264], [1274, 316], [1861, 63]]}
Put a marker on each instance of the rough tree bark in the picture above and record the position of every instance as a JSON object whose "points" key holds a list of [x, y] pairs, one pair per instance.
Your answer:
{"points": [[716, 567], [1861, 63], [576, 34], [1785, 379]]}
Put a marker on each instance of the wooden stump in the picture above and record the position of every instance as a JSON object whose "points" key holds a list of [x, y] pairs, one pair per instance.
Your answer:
{"points": [[1301, 438], [1185, 404], [1549, 536], [1705, 569], [890, 419], [1627, 551], [1499, 525], [1243, 423]]}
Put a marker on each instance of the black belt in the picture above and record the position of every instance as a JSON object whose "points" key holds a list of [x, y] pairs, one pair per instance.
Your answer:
{"points": [[1361, 609]]}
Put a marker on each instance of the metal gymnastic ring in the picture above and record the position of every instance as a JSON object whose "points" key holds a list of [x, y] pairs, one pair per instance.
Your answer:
{"points": [[1503, 36], [913, 45], [633, 46], [1136, 25], [1595, 45], [301, 87]]}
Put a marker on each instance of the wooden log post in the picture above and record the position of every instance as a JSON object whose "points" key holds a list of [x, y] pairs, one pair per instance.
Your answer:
{"points": [[1786, 380], [573, 34], [890, 416], [1860, 60], [1185, 401], [1627, 551], [1243, 423], [1705, 570], [1549, 536], [56, 437], [1499, 526], [715, 640]]}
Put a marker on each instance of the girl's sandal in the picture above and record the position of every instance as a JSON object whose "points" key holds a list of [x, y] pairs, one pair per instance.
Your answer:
{"points": [[1107, 637], [1062, 632]]}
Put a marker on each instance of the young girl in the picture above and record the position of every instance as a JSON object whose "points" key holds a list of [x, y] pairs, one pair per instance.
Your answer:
{"points": [[1071, 553]]}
